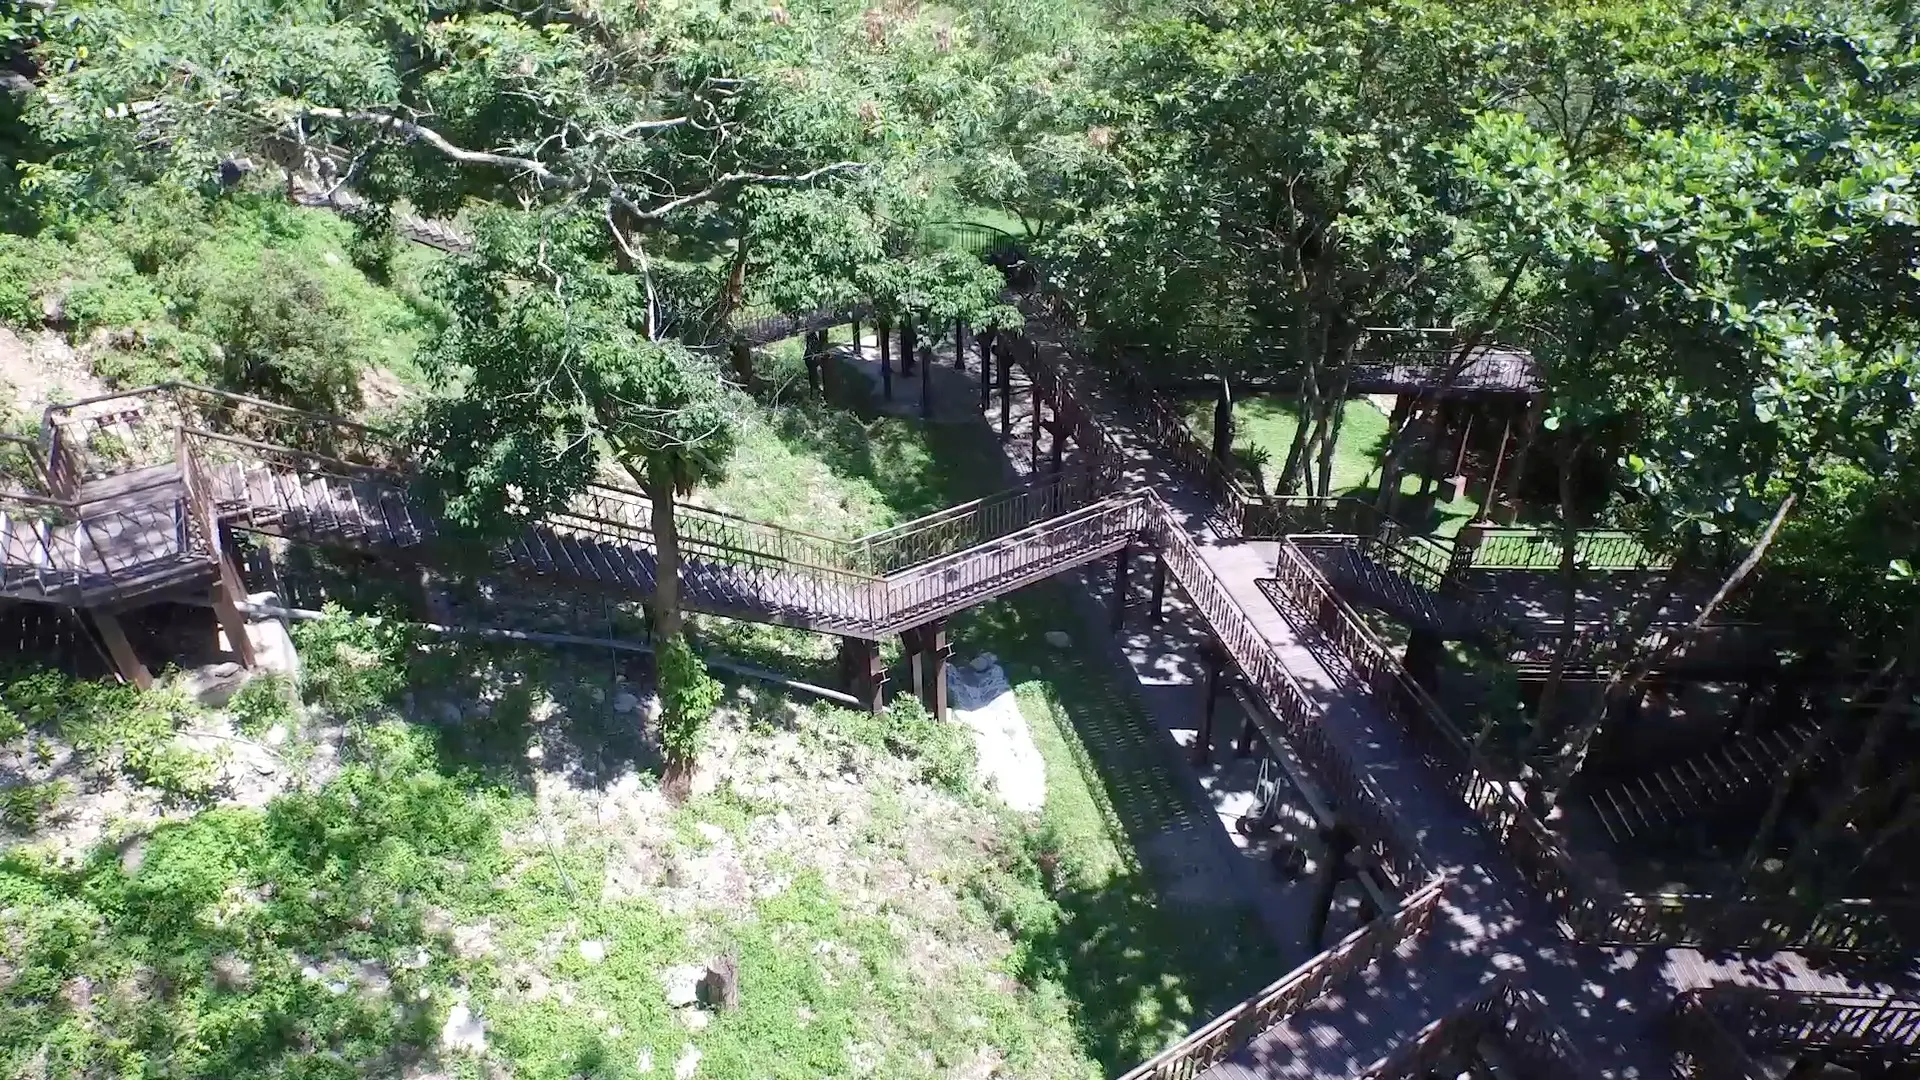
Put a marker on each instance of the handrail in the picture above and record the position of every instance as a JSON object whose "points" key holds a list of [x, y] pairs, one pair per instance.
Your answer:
{"points": [[1720, 1029], [1214, 1041]]}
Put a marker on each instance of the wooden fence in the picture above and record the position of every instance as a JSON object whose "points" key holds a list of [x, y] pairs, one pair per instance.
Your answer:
{"points": [[1506, 1015], [1719, 1031], [1220, 1037]]}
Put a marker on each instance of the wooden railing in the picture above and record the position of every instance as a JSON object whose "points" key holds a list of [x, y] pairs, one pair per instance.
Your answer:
{"points": [[70, 552], [1504, 1014], [1718, 1031], [1506, 548], [1219, 1038], [1384, 837]]}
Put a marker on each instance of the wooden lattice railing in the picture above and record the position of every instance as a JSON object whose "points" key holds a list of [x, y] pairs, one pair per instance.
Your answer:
{"points": [[1486, 547], [1216, 1040], [1718, 1031], [1507, 1015]]}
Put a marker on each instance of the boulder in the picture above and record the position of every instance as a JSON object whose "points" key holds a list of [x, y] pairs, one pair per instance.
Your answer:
{"points": [[984, 662], [683, 985], [463, 1031], [593, 951], [624, 703], [1059, 639]]}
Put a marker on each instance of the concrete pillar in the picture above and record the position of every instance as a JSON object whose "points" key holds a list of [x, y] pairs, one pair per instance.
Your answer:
{"points": [[885, 330], [126, 662]]}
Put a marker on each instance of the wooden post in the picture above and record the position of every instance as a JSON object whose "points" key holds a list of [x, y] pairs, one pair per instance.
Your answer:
{"points": [[1159, 609], [926, 382], [126, 662], [1336, 841], [1122, 566], [1214, 659], [234, 625], [930, 668], [1466, 433], [1243, 746], [1424, 650], [865, 673], [1059, 430], [1033, 441], [1437, 421], [1529, 431], [856, 338], [907, 338], [1499, 460], [984, 339], [959, 345], [1222, 423], [886, 357], [829, 367], [743, 362], [811, 351], [1006, 390]]}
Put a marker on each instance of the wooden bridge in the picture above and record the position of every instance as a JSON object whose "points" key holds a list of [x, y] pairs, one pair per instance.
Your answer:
{"points": [[1493, 948]]}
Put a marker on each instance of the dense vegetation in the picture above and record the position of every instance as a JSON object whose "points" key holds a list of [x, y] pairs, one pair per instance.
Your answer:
{"points": [[1701, 220]]}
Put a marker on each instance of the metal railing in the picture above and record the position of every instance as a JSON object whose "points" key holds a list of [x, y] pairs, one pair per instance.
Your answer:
{"points": [[1216, 1040], [1510, 548], [1505, 1014]]}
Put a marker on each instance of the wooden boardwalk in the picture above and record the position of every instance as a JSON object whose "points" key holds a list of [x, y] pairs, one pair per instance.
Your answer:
{"points": [[1611, 1001]]}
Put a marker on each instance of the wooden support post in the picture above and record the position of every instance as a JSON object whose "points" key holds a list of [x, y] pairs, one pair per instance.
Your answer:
{"points": [[907, 338], [125, 661], [930, 668], [234, 625], [984, 339], [1493, 481], [1122, 567], [1033, 440], [1529, 431], [1159, 609], [1436, 430], [1243, 746], [1006, 390], [811, 350], [886, 358], [1422, 662], [1336, 842], [1059, 430], [865, 672], [959, 345], [1223, 423], [1214, 659], [856, 339], [926, 383], [742, 362], [1466, 434]]}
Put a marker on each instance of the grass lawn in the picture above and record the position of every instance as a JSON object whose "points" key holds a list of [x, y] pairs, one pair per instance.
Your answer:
{"points": [[1264, 428]]}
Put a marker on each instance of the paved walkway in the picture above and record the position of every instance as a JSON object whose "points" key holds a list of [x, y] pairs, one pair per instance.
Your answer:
{"points": [[1610, 1001]]}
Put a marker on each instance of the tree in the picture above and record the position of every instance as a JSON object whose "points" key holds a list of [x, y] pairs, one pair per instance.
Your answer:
{"points": [[1272, 180], [559, 375]]}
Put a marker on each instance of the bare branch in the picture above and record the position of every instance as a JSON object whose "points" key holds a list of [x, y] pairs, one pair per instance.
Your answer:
{"points": [[732, 178]]}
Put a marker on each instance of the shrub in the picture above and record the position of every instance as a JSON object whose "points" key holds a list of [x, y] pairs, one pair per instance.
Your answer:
{"points": [[944, 752], [352, 664], [266, 700], [281, 334], [111, 726], [688, 696]]}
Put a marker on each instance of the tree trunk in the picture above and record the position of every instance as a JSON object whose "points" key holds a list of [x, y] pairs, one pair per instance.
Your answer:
{"points": [[664, 605], [1545, 722]]}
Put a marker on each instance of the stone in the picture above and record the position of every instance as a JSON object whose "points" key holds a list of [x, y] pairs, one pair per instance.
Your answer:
{"points": [[644, 1062], [598, 696], [695, 1019], [593, 951], [480, 710], [449, 712], [683, 985], [711, 833], [275, 736], [986, 661], [1059, 639], [463, 1031], [625, 703], [720, 986], [689, 1061], [225, 670], [536, 753], [232, 974]]}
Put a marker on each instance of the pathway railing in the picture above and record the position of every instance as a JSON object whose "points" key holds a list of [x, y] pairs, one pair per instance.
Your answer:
{"points": [[1216, 1040], [1505, 1014], [1720, 1030], [1511, 548]]}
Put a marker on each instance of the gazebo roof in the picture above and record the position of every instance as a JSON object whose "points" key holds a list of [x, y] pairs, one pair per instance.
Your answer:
{"points": [[1490, 370]]}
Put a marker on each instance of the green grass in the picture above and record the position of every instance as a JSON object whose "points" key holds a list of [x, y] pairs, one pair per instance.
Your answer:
{"points": [[1264, 429]]}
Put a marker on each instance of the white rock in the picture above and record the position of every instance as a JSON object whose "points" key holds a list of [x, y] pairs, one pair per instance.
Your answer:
{"points": [[331, 259], [696, 1019], [625, 703], [275, 736], [652, 708], [536, 752], [593, 951], [226, 670], [689, 1061], [598, 695], [710, 832], [644, 1063], [683, 984], [984, 661], [1059, 639], [463, 1031], [1007, 759]]}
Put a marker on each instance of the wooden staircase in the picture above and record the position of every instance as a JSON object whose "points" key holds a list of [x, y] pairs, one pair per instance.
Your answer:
{"points": [[1723, 778]]}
